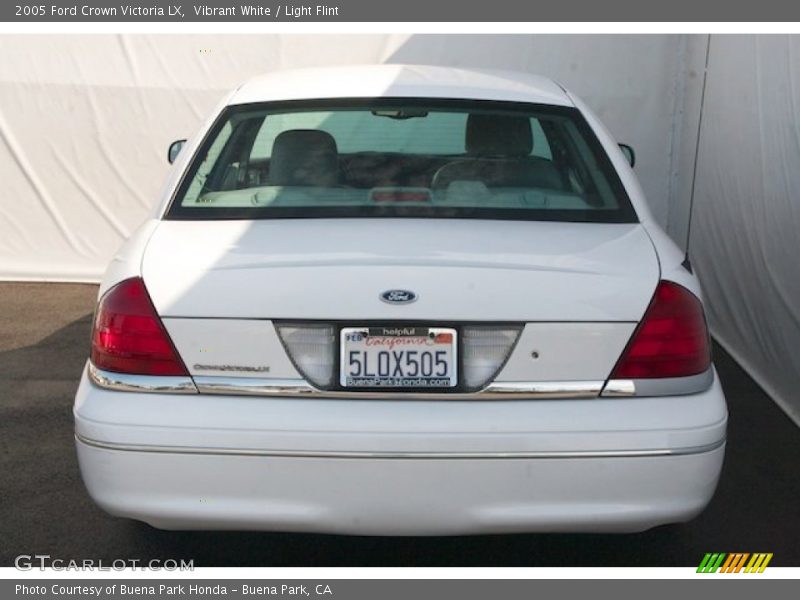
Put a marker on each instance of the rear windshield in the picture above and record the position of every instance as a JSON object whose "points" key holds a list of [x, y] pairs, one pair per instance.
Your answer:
{"points": [[402, 158]]}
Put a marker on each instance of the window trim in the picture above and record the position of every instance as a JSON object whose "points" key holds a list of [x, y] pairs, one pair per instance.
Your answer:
{"points": [[626, 212]]}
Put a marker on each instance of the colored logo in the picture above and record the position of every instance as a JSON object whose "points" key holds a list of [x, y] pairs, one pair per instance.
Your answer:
{"points": [[735, 562]]}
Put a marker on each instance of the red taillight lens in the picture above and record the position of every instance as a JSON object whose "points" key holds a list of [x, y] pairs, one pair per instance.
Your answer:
{"points": [[672, 339], [128, 336]]}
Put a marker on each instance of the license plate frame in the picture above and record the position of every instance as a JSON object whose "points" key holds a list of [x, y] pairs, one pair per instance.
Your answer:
{"points": [[406, 337]]}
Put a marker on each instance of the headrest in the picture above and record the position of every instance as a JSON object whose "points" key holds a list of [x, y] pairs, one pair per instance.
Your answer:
{"points": [[304, 157], [498, 135]]}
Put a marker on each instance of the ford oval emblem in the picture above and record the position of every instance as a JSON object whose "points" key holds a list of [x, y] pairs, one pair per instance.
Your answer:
{"points": [[398, 296]]}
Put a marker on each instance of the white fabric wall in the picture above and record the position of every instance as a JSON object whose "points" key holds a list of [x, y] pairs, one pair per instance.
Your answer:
{"points": [[85, 120], [745, 234]]}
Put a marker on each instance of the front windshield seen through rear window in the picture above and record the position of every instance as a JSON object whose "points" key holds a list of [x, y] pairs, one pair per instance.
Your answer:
{"points": [[395, 158]]}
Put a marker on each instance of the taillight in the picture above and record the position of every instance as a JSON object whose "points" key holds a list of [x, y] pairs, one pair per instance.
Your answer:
{"points": [[672, 339], [128, 336]]}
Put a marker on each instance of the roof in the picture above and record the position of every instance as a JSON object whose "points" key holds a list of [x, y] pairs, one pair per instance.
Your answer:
{"points": [[400, 81]]}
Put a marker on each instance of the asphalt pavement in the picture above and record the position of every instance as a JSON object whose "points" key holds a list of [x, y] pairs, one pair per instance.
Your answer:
{"points": [[44, 509]]}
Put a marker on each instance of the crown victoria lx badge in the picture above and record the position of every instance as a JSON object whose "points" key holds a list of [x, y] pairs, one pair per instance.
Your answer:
{"points": [[398, 296]]}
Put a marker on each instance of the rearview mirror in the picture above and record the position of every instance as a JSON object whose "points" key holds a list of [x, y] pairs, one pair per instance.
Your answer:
{"points": [[174, 150], [630, 155]]}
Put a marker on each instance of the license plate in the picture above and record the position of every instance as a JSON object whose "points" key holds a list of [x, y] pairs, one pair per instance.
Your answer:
{"points": [[398, 357]]}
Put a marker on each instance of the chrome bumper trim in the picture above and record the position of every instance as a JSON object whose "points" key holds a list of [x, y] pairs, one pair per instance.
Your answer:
{"points": [[124, 382], [668, 386], [299, 388], [401, 455]]}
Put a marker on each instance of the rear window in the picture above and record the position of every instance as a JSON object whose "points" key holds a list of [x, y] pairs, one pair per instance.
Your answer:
{"points": [[402, 158]]}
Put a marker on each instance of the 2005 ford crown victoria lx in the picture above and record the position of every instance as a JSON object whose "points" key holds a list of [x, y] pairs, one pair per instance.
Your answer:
{"points": [[401, 300]]}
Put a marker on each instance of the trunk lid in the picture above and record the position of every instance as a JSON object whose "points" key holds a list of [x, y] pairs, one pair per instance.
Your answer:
{"points": [[460, 270]]}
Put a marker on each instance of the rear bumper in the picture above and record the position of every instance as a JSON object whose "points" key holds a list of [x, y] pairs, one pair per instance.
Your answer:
{"points": [[400, 468], [399, 496]]}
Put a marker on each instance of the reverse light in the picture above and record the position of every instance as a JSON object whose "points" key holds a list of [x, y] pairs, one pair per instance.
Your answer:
{"points": [[128, 336], [486, 349], [311, 348], [671, 340]]}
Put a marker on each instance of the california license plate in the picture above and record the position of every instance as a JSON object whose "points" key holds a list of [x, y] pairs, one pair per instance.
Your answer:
{"points": [[398, 357]]}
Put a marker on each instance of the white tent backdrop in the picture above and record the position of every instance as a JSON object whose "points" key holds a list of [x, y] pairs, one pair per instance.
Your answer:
{"points": [[85, 122], [745, 234]]}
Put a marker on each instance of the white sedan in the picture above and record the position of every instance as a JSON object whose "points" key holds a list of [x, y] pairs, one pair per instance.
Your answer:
{"points": [[400, 300]]}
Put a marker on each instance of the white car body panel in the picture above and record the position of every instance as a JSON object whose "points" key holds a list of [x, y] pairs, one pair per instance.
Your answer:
{"points": [[670, 257], [127, 261], [400, 465], [566, 351], [250, 344], [401, 496], [400, 81], [336, 269], [400, 468]]}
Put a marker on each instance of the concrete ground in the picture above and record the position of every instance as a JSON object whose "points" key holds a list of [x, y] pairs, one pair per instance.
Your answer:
{"points": [[44, 341]]}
